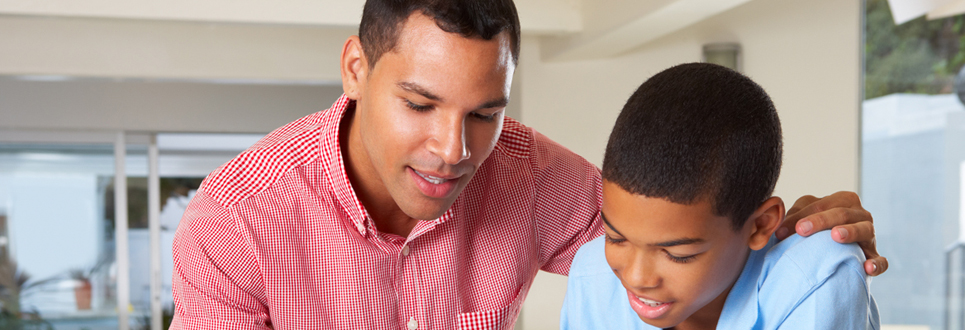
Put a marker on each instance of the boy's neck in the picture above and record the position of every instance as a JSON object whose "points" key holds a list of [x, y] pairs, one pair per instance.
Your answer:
{"points": [[706, 317]]}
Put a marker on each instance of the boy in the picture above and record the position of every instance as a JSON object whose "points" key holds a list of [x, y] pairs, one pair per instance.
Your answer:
{"points": [[689, 217]]}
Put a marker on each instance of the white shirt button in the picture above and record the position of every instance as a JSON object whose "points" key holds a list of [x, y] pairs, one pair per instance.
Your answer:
{"points": [[405, 252], [413, 324]]}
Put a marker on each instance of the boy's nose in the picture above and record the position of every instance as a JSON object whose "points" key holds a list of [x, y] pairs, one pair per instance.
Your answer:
{"points": [[641, 275]]}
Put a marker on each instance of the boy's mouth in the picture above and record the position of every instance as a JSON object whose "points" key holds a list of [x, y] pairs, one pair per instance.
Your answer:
{"points": [[651, 303], [648, 308]]}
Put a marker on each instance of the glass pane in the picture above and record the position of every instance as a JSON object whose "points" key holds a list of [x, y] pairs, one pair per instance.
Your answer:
{"points": [[913, 145], [57, 258]]}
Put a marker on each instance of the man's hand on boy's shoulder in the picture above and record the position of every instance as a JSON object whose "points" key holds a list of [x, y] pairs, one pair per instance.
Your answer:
{"points": [[842, 213]]}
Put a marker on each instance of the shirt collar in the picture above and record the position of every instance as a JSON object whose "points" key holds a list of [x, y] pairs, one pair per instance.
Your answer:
{"points": [[334, 168], [740, 309]]}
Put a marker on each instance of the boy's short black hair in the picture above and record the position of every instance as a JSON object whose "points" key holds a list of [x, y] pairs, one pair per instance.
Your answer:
{"points": [[698, 131], [382, 21]]}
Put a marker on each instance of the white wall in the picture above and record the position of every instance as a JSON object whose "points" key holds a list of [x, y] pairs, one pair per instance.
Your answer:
{"points": [[805, 53], [157, 105], [168, 49]]}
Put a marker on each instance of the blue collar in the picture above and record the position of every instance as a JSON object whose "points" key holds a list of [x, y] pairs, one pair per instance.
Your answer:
{"points": [[740, 309]]}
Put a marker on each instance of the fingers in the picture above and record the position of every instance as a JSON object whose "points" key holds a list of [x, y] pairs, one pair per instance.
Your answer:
{"points": [[876, 266], [787, 227], [861, 232], [841, 212], [799, 205], [808, 205]]}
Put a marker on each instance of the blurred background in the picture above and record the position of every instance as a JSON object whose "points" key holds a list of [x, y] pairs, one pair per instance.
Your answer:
{"points": [[112, 112]]}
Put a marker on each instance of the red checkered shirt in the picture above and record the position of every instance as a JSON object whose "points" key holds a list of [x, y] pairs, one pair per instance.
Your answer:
{"points": [[277, 238]]}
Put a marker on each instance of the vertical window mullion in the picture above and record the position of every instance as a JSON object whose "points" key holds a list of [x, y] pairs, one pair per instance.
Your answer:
{"points": [[154, 225], [120, 233]]}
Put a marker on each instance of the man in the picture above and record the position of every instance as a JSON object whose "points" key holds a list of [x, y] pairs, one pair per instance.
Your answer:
{"points": [[412, 202]]}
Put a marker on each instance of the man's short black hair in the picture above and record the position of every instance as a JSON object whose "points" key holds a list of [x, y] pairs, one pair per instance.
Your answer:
{"points": [[698, 131], [382, 21]]}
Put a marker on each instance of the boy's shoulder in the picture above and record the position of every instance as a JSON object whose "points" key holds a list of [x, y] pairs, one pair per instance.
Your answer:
{"points": [[814, 258], [810, 281], [590, 260]]}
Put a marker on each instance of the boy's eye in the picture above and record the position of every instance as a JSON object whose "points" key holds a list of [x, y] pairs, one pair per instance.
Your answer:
{"points": [[682, 260], [418, 107], [613, 240]]}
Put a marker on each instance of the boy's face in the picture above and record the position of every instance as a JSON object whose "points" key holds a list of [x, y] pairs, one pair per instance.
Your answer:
{"points": [[677, 262]]}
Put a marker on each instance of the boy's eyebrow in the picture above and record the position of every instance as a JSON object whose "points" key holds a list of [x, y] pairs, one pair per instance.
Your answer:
{"points": [[682, 241], [608, 224], [676, 242]]}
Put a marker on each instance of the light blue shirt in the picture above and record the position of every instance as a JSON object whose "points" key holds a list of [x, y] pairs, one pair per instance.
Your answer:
{"points": [[799, 283]]}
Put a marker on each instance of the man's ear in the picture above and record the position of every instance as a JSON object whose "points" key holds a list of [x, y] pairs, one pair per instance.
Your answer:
{"points": [[764, 221], [354, 67]]}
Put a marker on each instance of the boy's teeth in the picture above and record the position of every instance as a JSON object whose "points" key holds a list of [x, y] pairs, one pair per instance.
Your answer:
{"points": [[431, 179], [651, 303]]}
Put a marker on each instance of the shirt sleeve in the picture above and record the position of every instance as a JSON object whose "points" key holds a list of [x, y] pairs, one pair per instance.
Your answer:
{"points": [[568, 199], [216, 280], [841, 302]]}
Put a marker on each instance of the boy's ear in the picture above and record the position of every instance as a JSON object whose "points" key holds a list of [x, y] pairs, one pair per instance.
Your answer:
{"points": [[354, 67], [764, 221]]}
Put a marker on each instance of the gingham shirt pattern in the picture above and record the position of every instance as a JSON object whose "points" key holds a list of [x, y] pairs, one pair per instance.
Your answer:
{"points": [[276, 238]]}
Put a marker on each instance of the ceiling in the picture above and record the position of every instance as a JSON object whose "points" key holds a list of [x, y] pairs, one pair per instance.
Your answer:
{"points": [[292, 40]]}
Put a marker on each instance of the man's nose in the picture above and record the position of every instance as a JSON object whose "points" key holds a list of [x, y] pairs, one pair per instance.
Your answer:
{"points": [[449, 141]]}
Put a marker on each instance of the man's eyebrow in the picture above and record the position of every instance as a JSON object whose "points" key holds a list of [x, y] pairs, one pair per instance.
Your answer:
{"points": [[607, 222], [682, 241], [499, 103], [415, 88]]}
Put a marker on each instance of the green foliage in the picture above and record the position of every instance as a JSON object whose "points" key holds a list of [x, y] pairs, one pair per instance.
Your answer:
{"points": [[919, 56], [10, 321]]}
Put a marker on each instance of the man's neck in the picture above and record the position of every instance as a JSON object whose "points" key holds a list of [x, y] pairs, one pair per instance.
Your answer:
{"points": [[381, 207]]}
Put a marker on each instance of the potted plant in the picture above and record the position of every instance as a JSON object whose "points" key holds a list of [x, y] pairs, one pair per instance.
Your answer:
{"points": [[82, 283], [82, 288]]}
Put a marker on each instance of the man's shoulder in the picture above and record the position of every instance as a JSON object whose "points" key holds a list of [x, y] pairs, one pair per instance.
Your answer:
{"points": [[516, 140], [257, 168]]}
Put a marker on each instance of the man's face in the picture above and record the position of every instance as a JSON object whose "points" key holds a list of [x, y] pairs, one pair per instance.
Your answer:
{"points": [[429, 112], [676, 261]]}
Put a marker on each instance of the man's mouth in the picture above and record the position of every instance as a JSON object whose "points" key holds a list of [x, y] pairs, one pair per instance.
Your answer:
{"points": [[434, 186], [431, 179]]}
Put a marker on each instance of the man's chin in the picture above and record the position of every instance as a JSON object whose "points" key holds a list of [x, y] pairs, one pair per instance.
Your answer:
{"points": [[428, 210]]}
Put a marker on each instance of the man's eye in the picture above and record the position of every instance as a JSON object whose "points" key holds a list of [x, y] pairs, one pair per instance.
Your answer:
{"points": [[418, 107], [484, 118], [682, 260]]}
